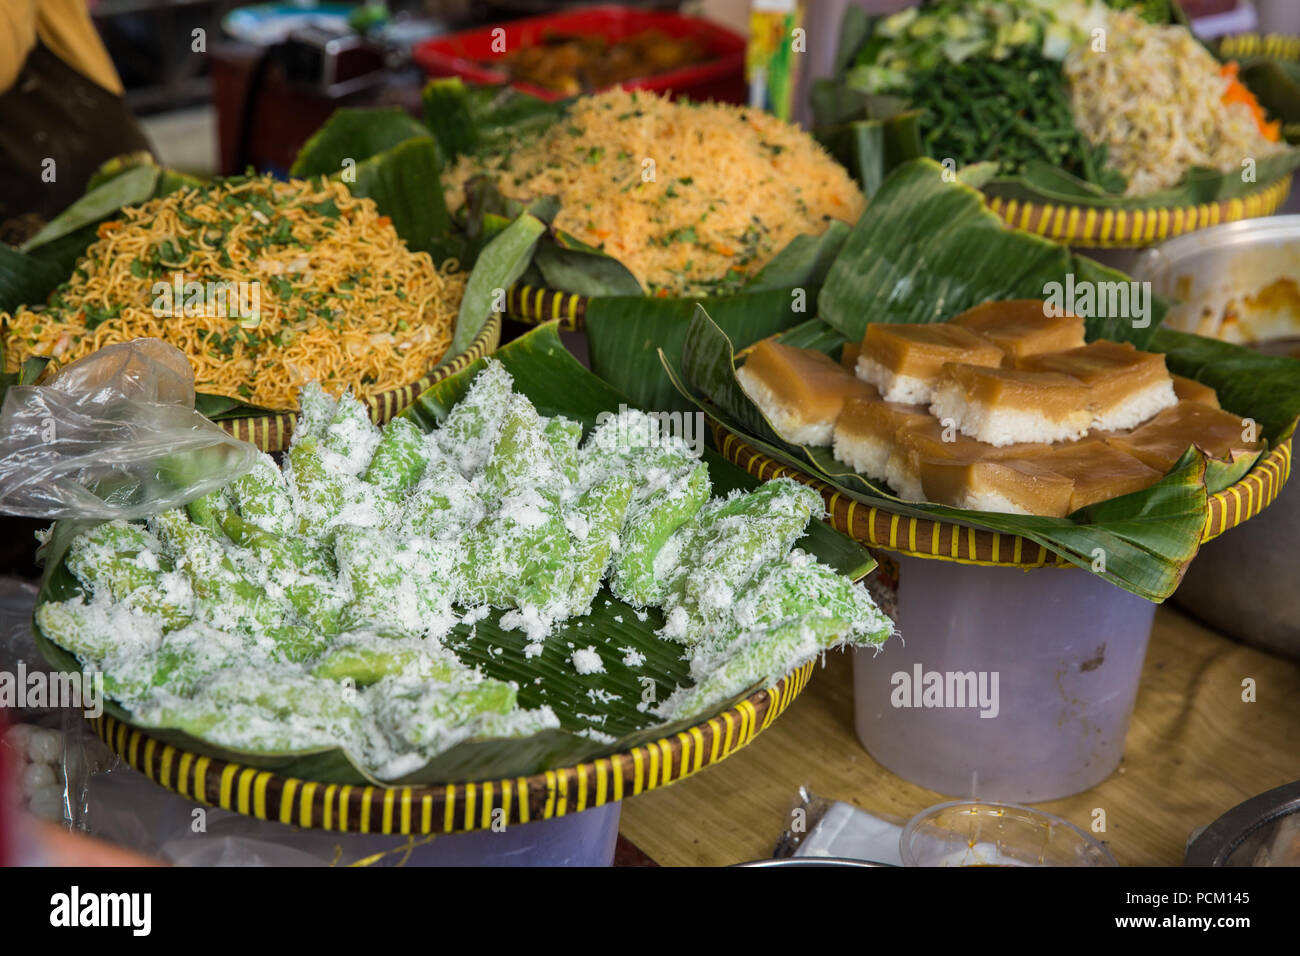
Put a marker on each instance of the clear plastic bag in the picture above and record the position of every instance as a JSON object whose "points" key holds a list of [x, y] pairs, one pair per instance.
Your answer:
{"points": [[49, 751], [821, 828], [114, 435]]}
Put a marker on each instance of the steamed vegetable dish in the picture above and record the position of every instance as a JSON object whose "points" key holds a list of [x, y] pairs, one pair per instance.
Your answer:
{"points": [[693, 198], [323, 605], [1113, 94]]}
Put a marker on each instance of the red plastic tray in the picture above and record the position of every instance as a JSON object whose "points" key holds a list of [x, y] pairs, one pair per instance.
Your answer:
{"points": [[721, 78]]}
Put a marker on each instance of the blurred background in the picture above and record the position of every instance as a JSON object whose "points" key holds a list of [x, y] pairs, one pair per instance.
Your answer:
{"points": [[219, 84]]}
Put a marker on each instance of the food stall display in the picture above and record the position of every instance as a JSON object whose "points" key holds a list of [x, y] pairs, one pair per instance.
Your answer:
{"points": [[976, 435], [457, 596], [349, 306], [357, 560], [329, 277]]}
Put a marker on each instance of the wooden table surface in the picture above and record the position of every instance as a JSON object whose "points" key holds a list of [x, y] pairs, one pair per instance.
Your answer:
{"points": [[1194, 750]]}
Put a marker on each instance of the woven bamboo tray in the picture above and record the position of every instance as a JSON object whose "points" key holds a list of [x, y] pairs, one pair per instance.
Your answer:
{"points": [[452, 808], [271, 432], [533, 306], [1278, 46], [878, 527], [1091, 227]]}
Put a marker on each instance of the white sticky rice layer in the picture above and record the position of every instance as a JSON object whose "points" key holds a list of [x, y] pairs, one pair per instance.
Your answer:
{"points": [[1005, 426], [1137, 408], [788, 420], [976, 500], [907, 389], [866, 455], [903, 478]]}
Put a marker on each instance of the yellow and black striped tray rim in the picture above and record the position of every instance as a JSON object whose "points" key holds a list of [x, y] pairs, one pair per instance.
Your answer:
{"points": [[1278, 46], [1092, 227], [533, 306], [879, 527], [271, 432], [452, 808]]}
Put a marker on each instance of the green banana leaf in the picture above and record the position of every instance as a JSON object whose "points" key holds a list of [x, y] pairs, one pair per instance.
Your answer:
{"points": [[217, 407], [27, 374], [25, 279], [124, 180], [557, 384], [568, 263], [446, 111], [855, 30], [803, 263], [398, 181], [502, 262], [1042, 183], [387, 155], [623, 333], [132, 186], [483, 199], [469, 120], [871, 148], [562, 261], [353, 136], [169, 180], [927, 249]]}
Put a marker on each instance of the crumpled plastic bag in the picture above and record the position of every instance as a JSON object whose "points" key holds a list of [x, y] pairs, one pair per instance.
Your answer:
{"points": [[114, 435], [49, 777]]}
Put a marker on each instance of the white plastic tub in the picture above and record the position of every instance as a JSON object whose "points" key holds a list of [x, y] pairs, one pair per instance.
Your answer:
{"points": [[1053, 656]]}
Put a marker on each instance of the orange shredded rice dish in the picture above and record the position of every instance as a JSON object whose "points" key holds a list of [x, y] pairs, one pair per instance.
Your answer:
{"points": [[693, 198]]}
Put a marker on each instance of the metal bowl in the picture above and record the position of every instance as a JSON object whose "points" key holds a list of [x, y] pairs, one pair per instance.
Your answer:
{"points": [[1242, 584], [1263, 831], [1211, 270]]}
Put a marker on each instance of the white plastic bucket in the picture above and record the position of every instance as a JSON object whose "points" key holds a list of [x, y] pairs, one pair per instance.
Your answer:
{"points": [[1003, 684]]}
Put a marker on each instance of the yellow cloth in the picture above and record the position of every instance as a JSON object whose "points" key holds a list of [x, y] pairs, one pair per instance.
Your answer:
{"points": [[65, 27]]}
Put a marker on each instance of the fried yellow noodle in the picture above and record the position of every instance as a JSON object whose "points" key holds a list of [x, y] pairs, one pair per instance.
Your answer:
{"points": [[264, 285]]}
